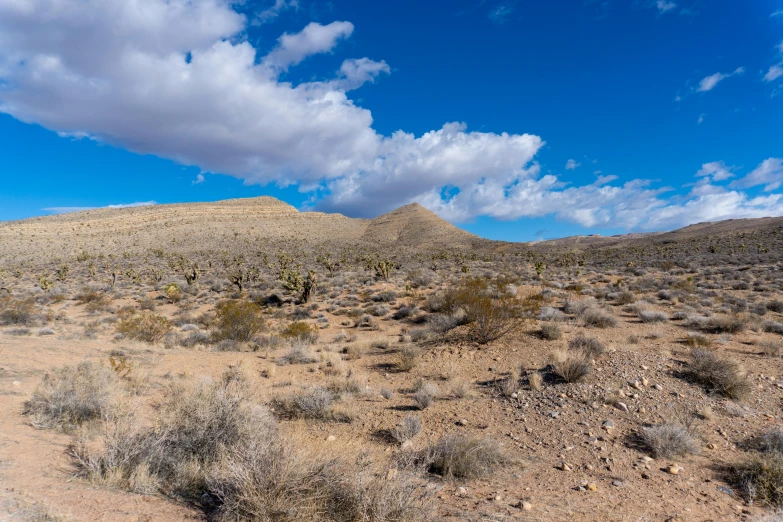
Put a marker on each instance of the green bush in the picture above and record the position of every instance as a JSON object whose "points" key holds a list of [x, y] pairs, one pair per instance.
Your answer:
{"points": [[300, 330], [146, 326], [237, 320]]}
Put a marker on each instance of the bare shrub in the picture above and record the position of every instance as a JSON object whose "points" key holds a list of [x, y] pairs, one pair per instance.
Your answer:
{"points": [[723, 324], [407, 429], [509, 385], [548, 313], [570, 365], [310, 403], [723, 376], [671, 439], [299, 353], [578, 307], [465, 456], [425, 395], [551, 331], [771, 348], [72, 395], [652, 316], [237, 320], [772, 441], [773, 327], [146, 326], [407, 358], [598, 318], [761, 478]]}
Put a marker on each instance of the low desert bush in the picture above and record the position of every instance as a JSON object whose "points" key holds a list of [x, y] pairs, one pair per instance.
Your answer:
{"points": [[570, 365], [463, 456], [548, 313], [720, 375], [72, 395], [146, 326], [696, 339], [407, 429], [771, 348], [300, 330], [723, 324], [598, 318], [17, 311], [237, 320], [551, 331], [773, 327], [775, 306], [761, 478], [425, 395], [406, 358], [309, 403], [671, 439], [299, 353], [652, 316], [591, 347], [491, 307]]}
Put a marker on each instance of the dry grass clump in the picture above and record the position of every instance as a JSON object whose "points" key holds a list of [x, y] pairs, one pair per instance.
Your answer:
{"points": [[671, 439], [237, 320], [590, 346], [598, 318], [723, 376], [570, 365], [773, 327], [210, 445], [407, 429], [146, 326], [548, 313], [465, 456], [314, 402], [72, 395]]}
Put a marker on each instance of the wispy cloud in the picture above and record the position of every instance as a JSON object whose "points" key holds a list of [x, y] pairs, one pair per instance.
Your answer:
{"points": [[500, 13], [199, 179], [68, 210], [572, 164], [269, 14], [779, 12], [711, 81], [664, 6]]}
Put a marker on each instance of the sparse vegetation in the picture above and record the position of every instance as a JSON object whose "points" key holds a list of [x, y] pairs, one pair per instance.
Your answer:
{"points": [[237, 320], [72, 395], [460, 456], [146, 326]]}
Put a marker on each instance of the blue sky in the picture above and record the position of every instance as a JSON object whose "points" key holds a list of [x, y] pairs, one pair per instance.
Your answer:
{"points": [[515, 120]]}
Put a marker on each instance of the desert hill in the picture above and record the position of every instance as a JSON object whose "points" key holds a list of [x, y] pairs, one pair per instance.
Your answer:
{"points": [[223, 225]]}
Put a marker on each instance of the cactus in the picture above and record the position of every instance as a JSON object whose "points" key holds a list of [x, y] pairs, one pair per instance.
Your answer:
{"points": [[309, 287], [45, 283]]}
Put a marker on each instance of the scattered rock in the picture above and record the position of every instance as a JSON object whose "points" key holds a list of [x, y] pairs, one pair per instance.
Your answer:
{"points": [[674, 469], [592, 487], [621, 406]]}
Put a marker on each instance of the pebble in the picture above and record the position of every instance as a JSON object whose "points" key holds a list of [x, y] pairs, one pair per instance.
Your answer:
{"points": [[331, 438], [608, 425], [657, 387], [527, 506], [621, 406], [674, 469], [592, 487], [617, 483], [564, 467]]}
